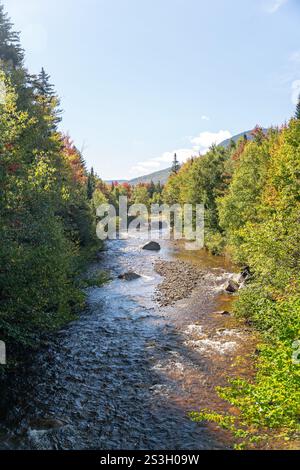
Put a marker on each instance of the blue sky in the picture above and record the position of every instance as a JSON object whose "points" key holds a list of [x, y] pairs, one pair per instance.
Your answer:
{"points": [[141, 79]]}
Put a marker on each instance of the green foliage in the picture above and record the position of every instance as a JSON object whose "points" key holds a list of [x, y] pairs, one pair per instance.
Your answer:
{"points": [[251, 194], [297, 113], [45, 215], [91, 184], [200, 181], [97, 279], [11, 53], [140, 195]]}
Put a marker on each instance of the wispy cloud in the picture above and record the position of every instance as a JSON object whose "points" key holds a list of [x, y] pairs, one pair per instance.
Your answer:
{"points": [[199, 144], [205, 118], [204, 140], [272, 6], [158, 163]]}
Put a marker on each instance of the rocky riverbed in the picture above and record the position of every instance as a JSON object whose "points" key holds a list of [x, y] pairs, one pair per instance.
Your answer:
{"points": [[179, 280]]}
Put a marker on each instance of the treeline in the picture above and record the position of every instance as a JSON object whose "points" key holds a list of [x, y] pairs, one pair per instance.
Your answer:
{"points": [[46, 215], [143, 193], [251, 193]]}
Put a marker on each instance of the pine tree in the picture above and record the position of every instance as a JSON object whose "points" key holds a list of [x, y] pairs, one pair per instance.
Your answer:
{"points": [[297, 114], [175, 165], [11, 52], [151, 189], [91, 184], [43, 85], [47, 98]]}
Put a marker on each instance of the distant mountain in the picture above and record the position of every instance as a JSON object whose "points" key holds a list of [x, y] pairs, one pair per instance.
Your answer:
{"points": [[159, 176], [249, 135], [163, 175]]}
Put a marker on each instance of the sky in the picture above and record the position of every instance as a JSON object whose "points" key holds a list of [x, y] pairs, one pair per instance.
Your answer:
{"points": [[142, 79]]}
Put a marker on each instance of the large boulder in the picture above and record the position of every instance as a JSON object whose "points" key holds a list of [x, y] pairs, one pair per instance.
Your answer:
{"points": [[130, 276], [232, 287], [152, 246]]}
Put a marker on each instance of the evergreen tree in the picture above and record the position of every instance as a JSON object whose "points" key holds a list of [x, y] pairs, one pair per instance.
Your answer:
{"points": [[151, 189], [175, 165], [11, 52], [43, 85], [91, 184], [47, 99], [297, 114]]}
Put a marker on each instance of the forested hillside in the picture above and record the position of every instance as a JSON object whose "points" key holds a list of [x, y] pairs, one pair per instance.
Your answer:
{"points": [[46, 217], [251, 192]]}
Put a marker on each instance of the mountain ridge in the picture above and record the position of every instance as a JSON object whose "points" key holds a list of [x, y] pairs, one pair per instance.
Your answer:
{"points": [[162, 176]]}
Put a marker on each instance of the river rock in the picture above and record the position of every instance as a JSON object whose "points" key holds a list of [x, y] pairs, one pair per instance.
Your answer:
{"points": [[232, 287], [223, 312], [130, 276], [46, 423], [152, 246]]}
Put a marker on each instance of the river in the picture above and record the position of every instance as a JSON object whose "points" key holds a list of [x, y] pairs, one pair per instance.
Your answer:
{"points": [[127, 372]]}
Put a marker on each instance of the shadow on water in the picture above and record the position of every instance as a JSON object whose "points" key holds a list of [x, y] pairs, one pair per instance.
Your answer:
{"points": [[121, 377]]}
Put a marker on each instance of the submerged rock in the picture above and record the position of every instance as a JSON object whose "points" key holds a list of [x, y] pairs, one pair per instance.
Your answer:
{"points": [[152, 246], [43, 424], [130, 276], [232, 287]]}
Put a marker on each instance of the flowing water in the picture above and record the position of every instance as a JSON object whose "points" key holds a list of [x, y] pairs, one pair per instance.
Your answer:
{"points": [[127, 372]]}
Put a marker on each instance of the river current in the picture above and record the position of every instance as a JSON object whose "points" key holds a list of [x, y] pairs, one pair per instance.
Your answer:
{"points": [[127, 372]]}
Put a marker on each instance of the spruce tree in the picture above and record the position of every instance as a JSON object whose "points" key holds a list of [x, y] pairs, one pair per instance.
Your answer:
{"points": [[151, 189], [175, 165], [43, 85], [91, 184], [47, 98], [297, 113], [11, 52]]}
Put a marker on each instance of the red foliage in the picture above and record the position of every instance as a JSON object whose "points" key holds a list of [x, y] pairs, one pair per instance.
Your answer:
{"points": [[9, 146], [127, 186], [238, 152], [73, 157], [13, 168], [258, 134]]}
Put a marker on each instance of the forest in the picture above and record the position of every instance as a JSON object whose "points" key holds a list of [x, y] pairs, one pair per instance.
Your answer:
{"points": [[251, 193], [46, 216]]}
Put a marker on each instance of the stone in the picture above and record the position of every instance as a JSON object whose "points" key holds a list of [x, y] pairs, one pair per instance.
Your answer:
{"points": [[130, 276], [232, 287], [152, 246], [47, 423], [223, 312]]}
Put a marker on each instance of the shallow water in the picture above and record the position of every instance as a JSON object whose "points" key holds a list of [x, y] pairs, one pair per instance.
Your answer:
{"points": [[125, 374]]}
